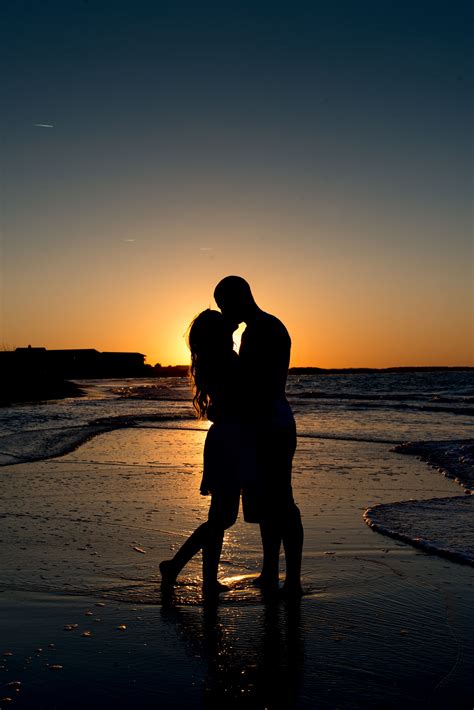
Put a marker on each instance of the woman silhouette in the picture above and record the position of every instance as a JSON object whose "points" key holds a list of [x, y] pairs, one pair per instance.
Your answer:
{"points": [[215, 375]]}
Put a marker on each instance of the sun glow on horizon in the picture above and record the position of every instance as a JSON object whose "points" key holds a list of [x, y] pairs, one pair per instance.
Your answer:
{"points": [[331, 323]]}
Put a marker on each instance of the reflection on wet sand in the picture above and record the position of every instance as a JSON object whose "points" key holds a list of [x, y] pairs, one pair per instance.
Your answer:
{"points": [[257, 665]]}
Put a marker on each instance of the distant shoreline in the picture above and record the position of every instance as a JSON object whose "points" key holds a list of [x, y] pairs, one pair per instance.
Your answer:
{"points": [[178, 370], [363, 370]]}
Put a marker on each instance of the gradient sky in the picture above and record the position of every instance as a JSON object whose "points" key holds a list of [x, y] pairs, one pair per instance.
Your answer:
{"points": [[321, 150]]}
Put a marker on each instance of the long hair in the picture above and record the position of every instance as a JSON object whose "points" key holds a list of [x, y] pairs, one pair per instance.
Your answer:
{"points": [[210, 343]]}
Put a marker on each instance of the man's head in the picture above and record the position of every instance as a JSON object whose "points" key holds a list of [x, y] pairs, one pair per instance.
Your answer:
{"points": [[234, 298]]}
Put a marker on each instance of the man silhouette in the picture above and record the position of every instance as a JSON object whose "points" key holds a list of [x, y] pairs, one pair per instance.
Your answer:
{"points": [[264, 359]]}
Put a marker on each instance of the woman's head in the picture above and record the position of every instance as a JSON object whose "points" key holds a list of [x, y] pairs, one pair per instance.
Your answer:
{"points": [[209, 335], [211, 345]]}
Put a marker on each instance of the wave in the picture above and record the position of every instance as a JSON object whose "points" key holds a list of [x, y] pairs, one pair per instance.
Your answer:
{"points": [[348, 437], [466, 411], [161, 393], [37, 444], [41, 444], [441, 526], [457, 406], [389, 397], [454, 459]]}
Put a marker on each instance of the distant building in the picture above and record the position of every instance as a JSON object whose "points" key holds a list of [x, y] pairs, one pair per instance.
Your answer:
{"points": [[74, 363]]}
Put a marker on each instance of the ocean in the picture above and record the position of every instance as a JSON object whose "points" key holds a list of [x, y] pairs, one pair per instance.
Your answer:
{"points": [[428, 414]]}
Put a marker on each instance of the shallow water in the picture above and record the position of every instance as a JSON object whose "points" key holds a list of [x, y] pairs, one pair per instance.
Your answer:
{"points": [[387, 408], [361, 406], [98, 520]]}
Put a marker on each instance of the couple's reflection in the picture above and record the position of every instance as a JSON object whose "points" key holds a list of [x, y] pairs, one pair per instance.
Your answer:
{"points": [[253, 654]]}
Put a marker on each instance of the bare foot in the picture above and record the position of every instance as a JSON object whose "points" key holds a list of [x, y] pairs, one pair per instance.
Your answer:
{"points": [[292, 590], [168, 573], [267, 585], [213, 589]]}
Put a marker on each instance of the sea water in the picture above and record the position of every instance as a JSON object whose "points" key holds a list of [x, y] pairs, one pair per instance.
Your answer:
{"points": [[435, 408]]}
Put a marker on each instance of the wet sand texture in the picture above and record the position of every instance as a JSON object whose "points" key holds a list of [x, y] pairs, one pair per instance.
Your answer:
{"points": [[382, 625]]}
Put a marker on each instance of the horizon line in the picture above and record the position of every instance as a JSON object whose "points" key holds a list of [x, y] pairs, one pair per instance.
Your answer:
{"points": [[361, 367], [292, 367]]}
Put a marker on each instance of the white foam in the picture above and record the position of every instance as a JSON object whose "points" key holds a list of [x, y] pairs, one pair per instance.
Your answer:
{"points": [[441, 526]]}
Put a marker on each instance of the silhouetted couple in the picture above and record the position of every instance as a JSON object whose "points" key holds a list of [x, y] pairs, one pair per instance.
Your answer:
{"points": [[250, 445]]}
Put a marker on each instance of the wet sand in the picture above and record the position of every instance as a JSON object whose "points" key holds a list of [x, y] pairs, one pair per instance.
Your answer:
{"points": [[381, 625]]}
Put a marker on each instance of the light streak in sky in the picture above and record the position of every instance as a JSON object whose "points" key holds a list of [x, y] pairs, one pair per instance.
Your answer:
{"points": [[43, 125]]}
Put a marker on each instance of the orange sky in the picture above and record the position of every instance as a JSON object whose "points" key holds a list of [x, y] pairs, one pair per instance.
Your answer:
{"points": [[348, 298], [344, 307]]}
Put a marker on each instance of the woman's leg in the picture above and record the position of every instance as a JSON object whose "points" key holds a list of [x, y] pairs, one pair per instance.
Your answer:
{"points": [[211, 554], [222, 515], [196, 541], [209, 537]]}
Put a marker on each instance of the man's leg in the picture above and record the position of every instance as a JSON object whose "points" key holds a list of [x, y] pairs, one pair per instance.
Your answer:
{"points": [[281, 521], [287, 528], [293, 537], [270, 534]]}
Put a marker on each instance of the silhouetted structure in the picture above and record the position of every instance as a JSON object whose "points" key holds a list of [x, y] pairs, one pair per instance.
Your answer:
{"points": [[76, 363], [28, 374], [32, 374]]}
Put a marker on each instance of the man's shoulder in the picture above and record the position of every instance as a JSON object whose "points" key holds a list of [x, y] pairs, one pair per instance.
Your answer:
{"points": [[270, 324]]}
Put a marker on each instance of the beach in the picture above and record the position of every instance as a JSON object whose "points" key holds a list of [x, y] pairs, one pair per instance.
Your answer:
{"points": [[381, 624], [242, 213]]}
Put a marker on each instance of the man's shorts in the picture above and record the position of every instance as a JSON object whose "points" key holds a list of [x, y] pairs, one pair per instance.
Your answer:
{"points": [[271, 495]]}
